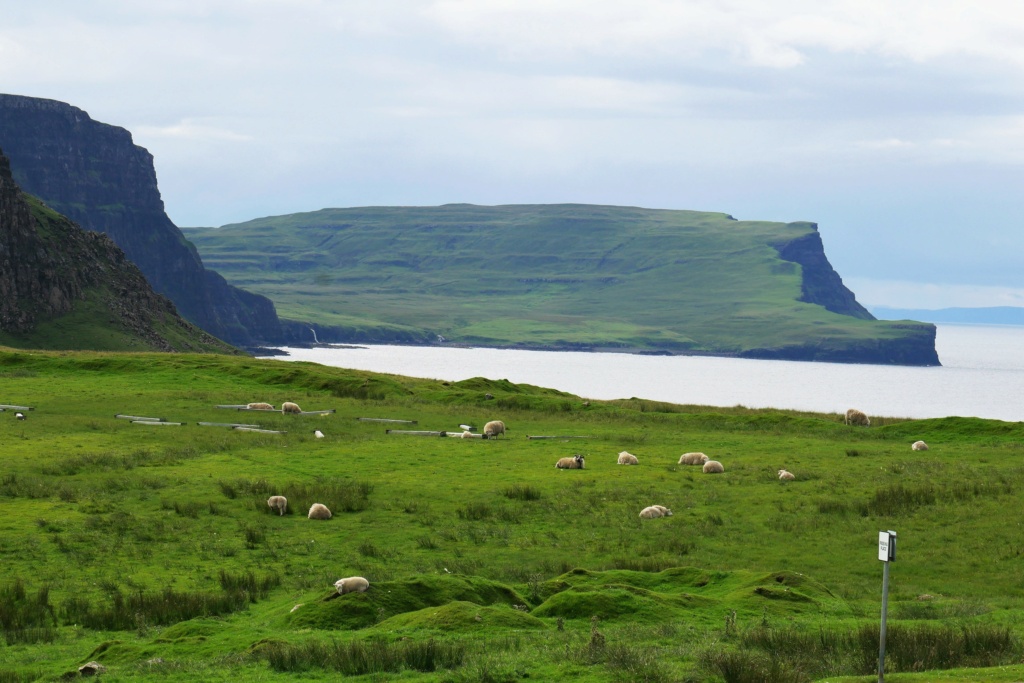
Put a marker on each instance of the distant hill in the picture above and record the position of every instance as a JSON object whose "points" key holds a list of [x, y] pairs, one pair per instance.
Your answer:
{"points": [[561, 277], [93, 173], [992, 315], [62, 287]]}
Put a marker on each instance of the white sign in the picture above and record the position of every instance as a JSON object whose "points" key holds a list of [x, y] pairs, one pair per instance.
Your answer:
{"points": [[883, 546]]}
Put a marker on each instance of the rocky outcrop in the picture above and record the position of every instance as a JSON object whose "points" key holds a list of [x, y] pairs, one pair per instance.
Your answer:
{"points": [[94, 174], [821, 283], [49, 266]]}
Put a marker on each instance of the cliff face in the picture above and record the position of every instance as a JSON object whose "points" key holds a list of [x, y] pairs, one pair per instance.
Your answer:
{"points": [[94, 174], [49, 267]]}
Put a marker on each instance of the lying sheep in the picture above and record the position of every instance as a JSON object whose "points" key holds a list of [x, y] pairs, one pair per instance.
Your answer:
{"points": [[693, 459], [655, 511], [466, 434], [319, 511], [919, 446], [289, 407], [493, 428], [318, 434], [786, 476], [19, 416], [279, 503], [856, 417], [260, 406], [626, 458], [353, 584], [713, 467], [573, 463]]}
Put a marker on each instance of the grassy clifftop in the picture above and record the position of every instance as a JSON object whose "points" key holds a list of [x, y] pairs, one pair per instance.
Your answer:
{"points": [[561, 276]]}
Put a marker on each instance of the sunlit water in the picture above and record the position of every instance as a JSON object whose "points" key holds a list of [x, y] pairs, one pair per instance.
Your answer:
{"points": [[982, 375]]}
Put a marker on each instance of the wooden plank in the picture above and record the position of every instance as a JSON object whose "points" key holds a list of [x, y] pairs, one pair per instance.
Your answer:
{"points": [[559, 437], [414, 433], [7, 407], [256, 429], [460, 435], [235, 407], [385, 419], [225, 424], [136, 418], [157, 424], [317, 412]]}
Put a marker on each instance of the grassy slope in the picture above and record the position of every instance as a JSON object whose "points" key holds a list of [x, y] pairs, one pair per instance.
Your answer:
{"points": [[537, 275], [92, 505]]}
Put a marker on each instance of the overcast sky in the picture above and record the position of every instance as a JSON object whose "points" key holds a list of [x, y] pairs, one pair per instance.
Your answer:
{"points": [[897, 126]]}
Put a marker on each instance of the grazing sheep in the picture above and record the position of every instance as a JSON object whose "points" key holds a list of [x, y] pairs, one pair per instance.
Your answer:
{"points": [[279, 503], [289, 407], [626, 458], [260, 406], [573, 463], [693, 459], [786, 476], [19, 416], [493, 428], [318, 434], [713, 467], [353, 584], [655, 511], [319, 511], [856, 417], [919, 446]]}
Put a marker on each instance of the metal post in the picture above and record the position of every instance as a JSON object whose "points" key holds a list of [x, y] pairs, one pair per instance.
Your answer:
{"points": [[881, 633]]}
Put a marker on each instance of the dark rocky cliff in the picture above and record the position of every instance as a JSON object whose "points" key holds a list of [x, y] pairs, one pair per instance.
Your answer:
{"points": [[94, 174], [49, 266]]}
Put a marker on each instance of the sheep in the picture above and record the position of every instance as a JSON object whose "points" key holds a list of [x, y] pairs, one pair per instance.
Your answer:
{"points": [[353, 584], [493, 428], [319, 511], [856, 417], [626, 458], [467, 435], [786, 476], [279, 503], [260, 406], [19, 416], [919, 446], [573, 463], [693, 459], [289, 407], [318, 434], [655, 511], [713, 467]]}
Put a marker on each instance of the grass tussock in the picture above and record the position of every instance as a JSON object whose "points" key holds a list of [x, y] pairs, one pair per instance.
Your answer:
{"points": [[359, 658], [26, 618], [522, 492]]}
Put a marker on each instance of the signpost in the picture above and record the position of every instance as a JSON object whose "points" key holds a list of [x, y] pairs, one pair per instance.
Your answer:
{"points": [[887, 554]]}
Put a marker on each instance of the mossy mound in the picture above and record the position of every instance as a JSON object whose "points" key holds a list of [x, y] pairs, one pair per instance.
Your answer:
{"points": [[462, 616], [610, 594], [389, 598]]}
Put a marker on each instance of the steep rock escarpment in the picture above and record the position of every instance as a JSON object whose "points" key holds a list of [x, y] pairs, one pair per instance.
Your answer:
{"points": [[49, 266], [94, 174]]}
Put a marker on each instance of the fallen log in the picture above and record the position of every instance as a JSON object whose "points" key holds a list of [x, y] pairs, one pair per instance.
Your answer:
{"points": [[157, 424], [318, 412], [136, 418], [385, 419], [4, 406], [414, 433], [225, 424], [257, 429]]}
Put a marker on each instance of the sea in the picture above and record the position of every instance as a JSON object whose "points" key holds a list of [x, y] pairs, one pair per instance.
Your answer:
{"points": [[982, 375]]}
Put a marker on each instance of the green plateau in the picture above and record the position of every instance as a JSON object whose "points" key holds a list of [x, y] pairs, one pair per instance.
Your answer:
{"points": [[566, 276], [151, 549]]}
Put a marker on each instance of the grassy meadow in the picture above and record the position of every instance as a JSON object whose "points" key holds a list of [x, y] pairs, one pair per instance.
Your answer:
{"points": [[151, 549]]}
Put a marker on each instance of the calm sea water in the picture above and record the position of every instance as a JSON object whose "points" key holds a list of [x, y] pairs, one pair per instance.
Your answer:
{"points": [[982, 376]]}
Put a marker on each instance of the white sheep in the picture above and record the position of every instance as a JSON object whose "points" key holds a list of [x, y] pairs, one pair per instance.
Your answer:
{"points": [[919, 446], [289, 407], [493, 428], [279, 503], [573, 463], [260, 406], [786, 476], [693, 459], [655, 511], [319, 511], [353, 584], [626, 458], [466, 435], [713, 467], [19, 416], [856, 417], [318, 434]]}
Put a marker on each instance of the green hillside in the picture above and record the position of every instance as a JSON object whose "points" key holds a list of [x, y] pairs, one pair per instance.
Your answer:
{"points": [[152, 550], [560, 276]]}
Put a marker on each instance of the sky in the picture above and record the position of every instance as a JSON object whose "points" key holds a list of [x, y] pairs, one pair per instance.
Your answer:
{"points": [[896, 125]]}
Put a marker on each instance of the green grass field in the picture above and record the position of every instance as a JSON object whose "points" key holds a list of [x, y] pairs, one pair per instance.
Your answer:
{"points": [[151, 549]]}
